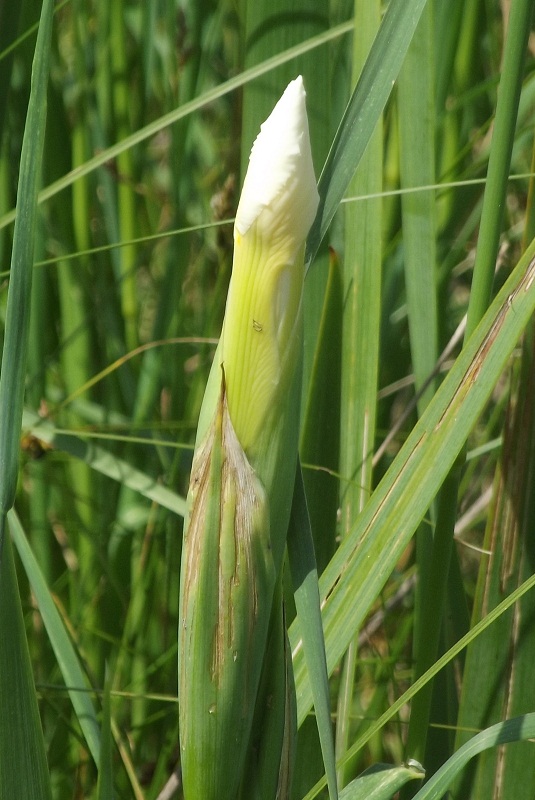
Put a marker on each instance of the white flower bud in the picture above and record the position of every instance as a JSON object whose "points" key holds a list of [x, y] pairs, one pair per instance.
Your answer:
{"points": [[261, 331], [280, 187]]}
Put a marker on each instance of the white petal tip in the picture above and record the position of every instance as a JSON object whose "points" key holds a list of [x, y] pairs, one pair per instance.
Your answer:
{"points": [[280, 167]]}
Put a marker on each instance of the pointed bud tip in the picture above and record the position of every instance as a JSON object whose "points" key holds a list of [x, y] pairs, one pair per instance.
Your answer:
{"points": [[280, 176]]}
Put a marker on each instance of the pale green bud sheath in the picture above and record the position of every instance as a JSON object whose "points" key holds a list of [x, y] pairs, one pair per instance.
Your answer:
{"points": [[242, 476], [276, 209]]}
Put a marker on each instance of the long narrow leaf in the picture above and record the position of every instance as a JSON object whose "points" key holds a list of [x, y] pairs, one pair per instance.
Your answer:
{"points": [[512, 730], [364, 109], [105, 772], [68, 661], [362, 266], [413, 690], [387, 523], [499, 160], [105, 463], [416, 104], [307, 602], [14, 356], [381, 782], [23, 767]]}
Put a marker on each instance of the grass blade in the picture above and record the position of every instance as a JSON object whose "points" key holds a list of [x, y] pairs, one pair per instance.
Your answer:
{"points": [[497, 678], [360, 344], [416, 104], [400, 501], [105, 769], [381, 782], [69, 663], [23, 767], [364, 109], [512, 730], [307, 602], [417, 686], [499, 160], [417, 169], [17, 329]]}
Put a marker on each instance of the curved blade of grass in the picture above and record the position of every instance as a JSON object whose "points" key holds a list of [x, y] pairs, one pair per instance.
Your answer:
{"points": [[364, 109], [368, 555], [512, 730], [433, 591], [381, 782], [74, 676], [454, 651], [105, 463], [307, 603]]}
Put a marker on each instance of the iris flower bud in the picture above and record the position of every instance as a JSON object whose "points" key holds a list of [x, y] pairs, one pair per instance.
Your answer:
{"points": [[242, 478], [276, 209]]}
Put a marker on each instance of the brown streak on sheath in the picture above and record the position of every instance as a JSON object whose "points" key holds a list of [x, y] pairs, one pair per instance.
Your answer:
{"points": [[239, 565], [472, 373], [239, 487]]}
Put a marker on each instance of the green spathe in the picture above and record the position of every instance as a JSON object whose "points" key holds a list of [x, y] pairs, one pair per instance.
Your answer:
{"points": [[228, 576]]}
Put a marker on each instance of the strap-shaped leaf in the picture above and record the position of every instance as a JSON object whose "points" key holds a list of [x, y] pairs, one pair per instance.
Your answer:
{"points": [[367, 557], [512, 730], [363, 110], [68, 661], [23, 767], [307, 602], [382, 781]]}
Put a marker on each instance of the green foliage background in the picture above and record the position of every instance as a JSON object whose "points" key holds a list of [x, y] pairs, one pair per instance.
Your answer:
{"points": [[419, 485]]}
